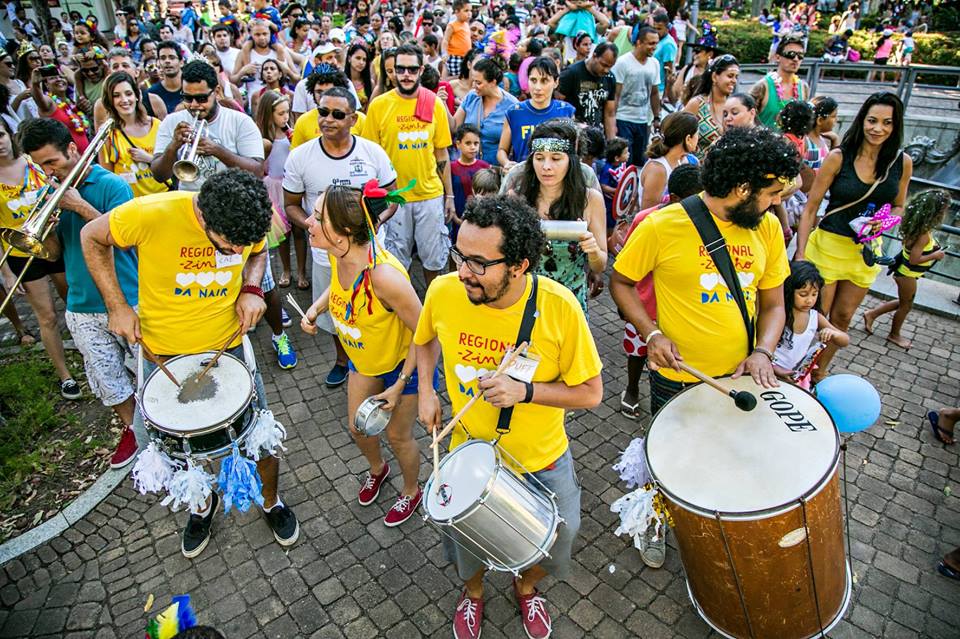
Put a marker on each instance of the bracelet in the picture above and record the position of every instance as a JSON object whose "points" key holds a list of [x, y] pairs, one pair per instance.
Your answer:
{"points": [[528, 397], [763, 351], [655, 331], [449, 197], [251, 288]]}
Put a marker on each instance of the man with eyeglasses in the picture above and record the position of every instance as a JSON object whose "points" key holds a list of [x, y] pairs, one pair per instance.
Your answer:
{"points": [[90, 77], [472, 317], [170, 62], [338, 157], [778, 87], [410, 123]]}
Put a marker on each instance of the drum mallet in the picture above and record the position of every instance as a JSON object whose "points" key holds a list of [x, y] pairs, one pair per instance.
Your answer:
{"points": [[195, 381], [156, 360], [744, 400]]}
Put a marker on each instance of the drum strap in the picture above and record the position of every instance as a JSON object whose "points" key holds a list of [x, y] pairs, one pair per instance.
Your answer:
{"points": [[717, 247], [526, 329]]}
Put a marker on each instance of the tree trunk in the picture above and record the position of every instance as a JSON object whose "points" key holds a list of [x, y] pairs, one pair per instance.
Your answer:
{"points": [[756, 6], [41, 11]]}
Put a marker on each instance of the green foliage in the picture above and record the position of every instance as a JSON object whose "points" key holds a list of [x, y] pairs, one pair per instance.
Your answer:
{"points": [[946, 18]]}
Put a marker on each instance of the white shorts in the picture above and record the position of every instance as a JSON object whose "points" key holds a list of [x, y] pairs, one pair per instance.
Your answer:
{"points": [[421, 223], [321, 282], [103, 356]]}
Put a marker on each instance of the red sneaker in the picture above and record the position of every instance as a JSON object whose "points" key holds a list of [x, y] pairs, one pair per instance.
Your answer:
{"points": [[371, 485], [403, 509], [126, 450], [533, 614], [467, 618]]}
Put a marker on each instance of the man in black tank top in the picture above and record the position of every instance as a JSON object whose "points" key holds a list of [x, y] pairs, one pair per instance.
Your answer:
{"points": [[170, 59]]}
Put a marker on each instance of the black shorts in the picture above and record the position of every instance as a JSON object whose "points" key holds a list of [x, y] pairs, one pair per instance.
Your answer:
{"points": [[880, 61], [38, 269]]}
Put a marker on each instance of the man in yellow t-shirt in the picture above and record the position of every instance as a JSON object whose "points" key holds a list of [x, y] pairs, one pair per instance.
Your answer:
{"points": [[416, 139], [698, 320], [201, 258], [307, 126], [472, 317]]}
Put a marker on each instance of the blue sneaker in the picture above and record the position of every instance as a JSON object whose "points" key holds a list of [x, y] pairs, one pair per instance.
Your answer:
{"points": [[286, 356], [285, 320], [336, 376]]}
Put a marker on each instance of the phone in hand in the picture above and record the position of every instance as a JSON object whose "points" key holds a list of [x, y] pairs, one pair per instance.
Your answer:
{"points": [[49, 71]]}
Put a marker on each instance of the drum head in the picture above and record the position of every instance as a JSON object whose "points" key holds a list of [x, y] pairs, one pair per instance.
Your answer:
{"points": [[463, 478], [709, 455], [161, 406]]}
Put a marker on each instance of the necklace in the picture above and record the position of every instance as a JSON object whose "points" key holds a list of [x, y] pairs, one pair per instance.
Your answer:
{"points": [[794, 88], [78, 120]]}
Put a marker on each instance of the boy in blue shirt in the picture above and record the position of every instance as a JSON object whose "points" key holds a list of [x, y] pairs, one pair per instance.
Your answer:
{"points": [[616, 155]]}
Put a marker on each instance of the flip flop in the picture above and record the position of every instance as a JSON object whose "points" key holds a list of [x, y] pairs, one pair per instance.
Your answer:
{"points": [[303, 285], [283, 281], [947, 571], [628, 410], [934, 418]]}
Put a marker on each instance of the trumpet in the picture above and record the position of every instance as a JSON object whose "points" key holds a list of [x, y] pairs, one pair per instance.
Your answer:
{"points": [[186, 169], [29, 238]]}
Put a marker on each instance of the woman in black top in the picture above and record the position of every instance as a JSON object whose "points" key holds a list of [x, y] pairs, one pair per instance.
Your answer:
{"points": [[870, 153]]}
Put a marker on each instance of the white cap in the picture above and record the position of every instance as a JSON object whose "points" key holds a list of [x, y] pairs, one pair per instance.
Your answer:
{"points": [[324, 49], [887, 32], [337, 34]]}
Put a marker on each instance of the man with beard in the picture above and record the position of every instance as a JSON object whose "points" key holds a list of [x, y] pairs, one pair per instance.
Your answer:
{"points": [[170, 61], [223, 41], [472, 317], [410, 123], [698, 320]]}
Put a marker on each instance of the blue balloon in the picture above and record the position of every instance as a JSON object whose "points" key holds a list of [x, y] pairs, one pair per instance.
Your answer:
{"points": [[852, 401]]}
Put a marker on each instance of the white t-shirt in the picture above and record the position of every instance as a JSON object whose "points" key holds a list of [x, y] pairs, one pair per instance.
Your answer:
{"points": [[303, 101], [183, 35], [637, 80], [228, 58], [235, 131], [311, 170]]}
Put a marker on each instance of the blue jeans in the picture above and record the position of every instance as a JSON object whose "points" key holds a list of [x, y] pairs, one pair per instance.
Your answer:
{"points": [[561, 478], [636, 135]]}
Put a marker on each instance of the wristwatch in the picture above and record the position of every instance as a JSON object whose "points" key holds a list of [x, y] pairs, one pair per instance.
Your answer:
{"points": [[763, 351], [403, 378]]}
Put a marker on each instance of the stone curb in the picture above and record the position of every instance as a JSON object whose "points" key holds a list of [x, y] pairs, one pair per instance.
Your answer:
{"points": [[74, 512]]}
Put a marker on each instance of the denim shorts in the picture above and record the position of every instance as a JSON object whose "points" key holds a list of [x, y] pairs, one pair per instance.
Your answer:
{"points": [[561, 478], [662, 390], [390, 378]]}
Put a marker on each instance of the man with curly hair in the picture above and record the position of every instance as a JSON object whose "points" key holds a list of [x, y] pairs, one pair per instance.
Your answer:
{"points": [[699, 321], [201, 260], [472, 317]]}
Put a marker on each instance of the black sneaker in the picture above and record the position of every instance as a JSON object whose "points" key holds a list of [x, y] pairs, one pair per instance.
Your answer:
{"points": [[70, 389], [196, 535], [286, 528]]}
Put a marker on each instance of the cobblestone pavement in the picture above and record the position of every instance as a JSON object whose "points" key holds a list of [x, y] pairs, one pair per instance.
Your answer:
{"points": [[349, 576]]}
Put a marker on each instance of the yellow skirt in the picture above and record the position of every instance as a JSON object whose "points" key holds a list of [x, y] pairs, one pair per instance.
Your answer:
{"points": [[839, 258]]}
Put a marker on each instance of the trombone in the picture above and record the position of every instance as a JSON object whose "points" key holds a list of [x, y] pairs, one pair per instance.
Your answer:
{"points": [[185, 169], [30, 237]]}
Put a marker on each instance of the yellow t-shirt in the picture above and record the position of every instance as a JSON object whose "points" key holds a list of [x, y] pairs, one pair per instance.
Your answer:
{"points": [[694, 308], [376, 342], [307, 127], [473, 339], [409, 142], [17, 201], [137, 174], [187, 288]]}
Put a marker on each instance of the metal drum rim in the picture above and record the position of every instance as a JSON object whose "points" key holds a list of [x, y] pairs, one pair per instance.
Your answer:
{"points": [[749, 515], [498, 464]]}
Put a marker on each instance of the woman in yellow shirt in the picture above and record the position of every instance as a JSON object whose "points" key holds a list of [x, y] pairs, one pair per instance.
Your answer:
{"points": [[129, 149], [375, 311]]}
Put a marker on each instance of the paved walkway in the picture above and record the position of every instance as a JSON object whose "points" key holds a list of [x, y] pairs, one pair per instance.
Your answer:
{"points": [[349, 576]]}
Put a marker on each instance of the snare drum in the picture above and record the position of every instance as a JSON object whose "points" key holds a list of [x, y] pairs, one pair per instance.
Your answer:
{"points": [[490, 510], [206, 427], [755, 500]]}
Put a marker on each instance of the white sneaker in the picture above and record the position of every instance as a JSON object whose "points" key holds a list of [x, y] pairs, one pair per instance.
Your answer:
{"points": [[653, 549]]}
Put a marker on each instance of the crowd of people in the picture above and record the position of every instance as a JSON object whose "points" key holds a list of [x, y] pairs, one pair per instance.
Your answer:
{"points": [[456, 134]]}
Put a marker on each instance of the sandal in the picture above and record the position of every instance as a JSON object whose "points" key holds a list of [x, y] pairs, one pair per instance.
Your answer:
{"points": [[303, 284], [948, 571], [284, 280], [629, 410], [934, 418]]}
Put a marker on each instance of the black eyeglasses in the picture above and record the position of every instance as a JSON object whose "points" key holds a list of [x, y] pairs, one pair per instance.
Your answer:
{"points": [[477, 267], [401, 69], [89, 70], [200, 97], [792, 55], [336, 113]]}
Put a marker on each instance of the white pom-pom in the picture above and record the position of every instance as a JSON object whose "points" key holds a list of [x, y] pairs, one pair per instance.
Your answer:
{"points": [[266, 435], [633, 465], [636, 515], [154, 470], [189, 487]]}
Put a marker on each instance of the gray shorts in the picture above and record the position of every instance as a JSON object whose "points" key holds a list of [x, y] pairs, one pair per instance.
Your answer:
{"points": [[321, 282], [562, 480], [420, 224], [103, 356]]}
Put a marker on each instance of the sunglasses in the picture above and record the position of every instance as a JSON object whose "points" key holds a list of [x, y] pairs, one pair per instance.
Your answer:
{"points": [[336, 113], [199, 98], [89, 70], [401, 69], [792, 55]]}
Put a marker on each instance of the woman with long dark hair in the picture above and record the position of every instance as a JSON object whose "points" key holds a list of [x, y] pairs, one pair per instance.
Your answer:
{"points": [[129, 149], [678, 137], [866, 172], [386, 77], [716, 84], [553, 184], [358, 72]]}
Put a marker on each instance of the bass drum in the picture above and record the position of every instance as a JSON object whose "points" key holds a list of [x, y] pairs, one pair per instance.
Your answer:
{"points": [[755, 501]]}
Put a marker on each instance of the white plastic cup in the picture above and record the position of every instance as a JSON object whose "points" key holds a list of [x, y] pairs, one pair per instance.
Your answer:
{"points": [[563, 229]]}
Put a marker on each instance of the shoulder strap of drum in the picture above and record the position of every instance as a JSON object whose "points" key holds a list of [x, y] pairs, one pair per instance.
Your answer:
{"points": [[526, 329], [717, 247]]}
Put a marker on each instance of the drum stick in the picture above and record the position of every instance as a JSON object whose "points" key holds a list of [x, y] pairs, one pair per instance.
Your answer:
{"points": [[156, 360], [504, 365], [293, 304], [213, 361], [744, 400]]}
